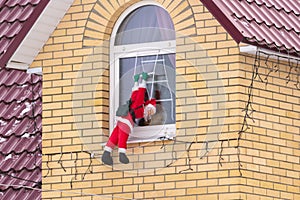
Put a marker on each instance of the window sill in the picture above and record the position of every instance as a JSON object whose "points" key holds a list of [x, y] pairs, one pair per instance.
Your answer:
{"points": [[152, 133]]}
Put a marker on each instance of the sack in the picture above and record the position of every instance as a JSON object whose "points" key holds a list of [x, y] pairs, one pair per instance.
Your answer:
{"points": [[123, 109]]}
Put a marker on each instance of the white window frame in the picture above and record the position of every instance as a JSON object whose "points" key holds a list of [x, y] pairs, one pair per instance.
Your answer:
{"points": [[133, 50]]}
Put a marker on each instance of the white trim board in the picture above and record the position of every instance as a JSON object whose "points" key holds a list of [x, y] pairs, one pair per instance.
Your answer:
{"points": [[39, 34], [251, 49]]}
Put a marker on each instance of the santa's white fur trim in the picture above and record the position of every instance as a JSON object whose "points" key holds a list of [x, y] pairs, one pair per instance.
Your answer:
{"points": [[106, 148], [125, 121], [135, 87], [143, 84], [122, 150]]}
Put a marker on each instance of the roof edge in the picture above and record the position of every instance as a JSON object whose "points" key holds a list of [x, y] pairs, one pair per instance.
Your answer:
{"points": [[21, 35], [274, 48], [223, 20], [252, 49]]}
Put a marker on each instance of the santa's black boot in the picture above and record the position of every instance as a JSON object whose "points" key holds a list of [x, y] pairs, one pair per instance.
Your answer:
{"points": [[106, 158], [123, 158]]}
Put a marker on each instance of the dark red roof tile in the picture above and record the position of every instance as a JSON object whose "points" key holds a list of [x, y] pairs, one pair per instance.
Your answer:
{"points": [[20, 179], [288, 6], [18, 16], [19, 127], [28, 161], [4, 13], [13, 3], [20, 134], [13, 30], [11, 77], [4, 42], [20, 194], [22, 92], [19, 144], [270, 24], [19, 110]]}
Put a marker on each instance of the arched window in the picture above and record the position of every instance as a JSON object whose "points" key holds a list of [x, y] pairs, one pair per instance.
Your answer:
{"points": [[143, 39]]}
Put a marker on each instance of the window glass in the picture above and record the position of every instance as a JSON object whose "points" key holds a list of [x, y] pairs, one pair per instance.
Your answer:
{"points": [[146, 24], [160, 86]]}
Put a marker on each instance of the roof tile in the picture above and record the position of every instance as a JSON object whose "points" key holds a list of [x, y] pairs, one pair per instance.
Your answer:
{"points": [[13, 30], [20, 134], [19, 162], [10, 77], [20, 194], [13, 3], [33, 175], [270, 24], [25, 125], [258, 13], [17, 145], [22, 92], [19, 110]]}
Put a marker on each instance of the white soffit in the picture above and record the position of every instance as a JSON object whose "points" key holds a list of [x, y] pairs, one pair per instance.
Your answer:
{"points": [[39, 33], [251, 49]]}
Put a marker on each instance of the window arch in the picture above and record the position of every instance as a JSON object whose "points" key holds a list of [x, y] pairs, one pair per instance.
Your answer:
{"points": [[146, 24], [143, 39]]}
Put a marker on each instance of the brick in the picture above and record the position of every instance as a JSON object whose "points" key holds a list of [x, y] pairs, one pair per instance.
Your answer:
{"points": [[177, 192], [198, 190], [63, 39], [61, 142], [145, 187], [61, 127], [61, 83], [153, 194], [219, 174], [72, 60], [66, 24], [102, 183], [163, 186], [52, 62], [185, 184], [72, 149], [50, 91], [63, 68], [216, 37], [175, 177], [62, 54], [51, 194], [73, 45], [43, 56], [53, 76], [53, 120], [218, 189]]}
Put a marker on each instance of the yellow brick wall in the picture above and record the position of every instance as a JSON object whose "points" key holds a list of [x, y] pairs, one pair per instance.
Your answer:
{"points": [[211, 87], [271, 160]]}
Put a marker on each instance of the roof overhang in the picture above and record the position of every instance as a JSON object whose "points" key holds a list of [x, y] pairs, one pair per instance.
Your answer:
{"points": [[38, 35], [251, 50], [223, 20]]}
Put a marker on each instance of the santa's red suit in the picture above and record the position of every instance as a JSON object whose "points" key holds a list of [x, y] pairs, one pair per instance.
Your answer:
{"points": [[125, 124]]}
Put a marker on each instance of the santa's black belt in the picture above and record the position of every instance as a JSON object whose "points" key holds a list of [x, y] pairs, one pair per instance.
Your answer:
{"points": [[131, 111]]}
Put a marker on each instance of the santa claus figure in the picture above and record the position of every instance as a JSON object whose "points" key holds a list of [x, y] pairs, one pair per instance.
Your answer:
{"points": [[140, 112]]}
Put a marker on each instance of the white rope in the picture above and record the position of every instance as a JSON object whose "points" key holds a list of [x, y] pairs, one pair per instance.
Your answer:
{"points": [[135, 65]]}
